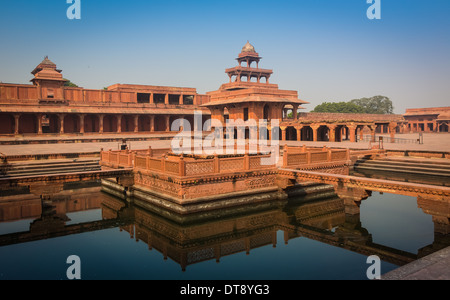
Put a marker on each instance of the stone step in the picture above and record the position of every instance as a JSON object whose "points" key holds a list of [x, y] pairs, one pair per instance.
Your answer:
{"points": [[403, 167], [51, 162], [48, 167], [51, 166], [441, 162], [436, 165], [50, 171], [402, 170]]}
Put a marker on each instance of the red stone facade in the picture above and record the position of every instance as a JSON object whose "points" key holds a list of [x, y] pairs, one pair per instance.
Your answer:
{"points": [[49, 107], [434, 119]]}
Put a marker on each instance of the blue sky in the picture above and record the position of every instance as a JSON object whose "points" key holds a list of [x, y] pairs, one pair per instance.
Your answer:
{"points": [[327, 50]]}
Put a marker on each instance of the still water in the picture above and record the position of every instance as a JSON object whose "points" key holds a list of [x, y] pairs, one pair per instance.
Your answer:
{"points": [[298, 239]]}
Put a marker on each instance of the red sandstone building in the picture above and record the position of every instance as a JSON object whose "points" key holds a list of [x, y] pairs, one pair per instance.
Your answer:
{"points": [[48, 107], [434, 119]]}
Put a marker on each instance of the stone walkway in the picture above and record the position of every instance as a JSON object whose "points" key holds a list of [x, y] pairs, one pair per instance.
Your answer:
{"points": [[432, 142], [435, 266]]}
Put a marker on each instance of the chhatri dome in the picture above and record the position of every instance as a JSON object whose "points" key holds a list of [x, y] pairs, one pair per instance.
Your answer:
{"points": [[248, 48]]}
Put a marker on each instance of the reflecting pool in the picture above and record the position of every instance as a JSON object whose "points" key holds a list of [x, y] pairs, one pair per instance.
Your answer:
{"points": [[318, 236]]}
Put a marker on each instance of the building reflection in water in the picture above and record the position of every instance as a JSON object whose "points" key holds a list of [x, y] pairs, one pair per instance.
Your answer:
{"points": [[324, 215]]}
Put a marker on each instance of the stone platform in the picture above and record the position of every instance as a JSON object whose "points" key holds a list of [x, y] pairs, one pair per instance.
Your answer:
{"points": [[435, 266]]}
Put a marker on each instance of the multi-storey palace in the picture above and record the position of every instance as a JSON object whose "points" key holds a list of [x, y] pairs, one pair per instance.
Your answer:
{"points": [[48, 107]]}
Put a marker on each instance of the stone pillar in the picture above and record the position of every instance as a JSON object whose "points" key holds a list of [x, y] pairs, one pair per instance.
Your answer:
{"points": [[82, 123], [166, 99], [167, 123], [152, 123], [39, 123], [361, 134], [119, 123], [352, 129], [283, 133], [16, 123], [294, 112], [136, 123], [314, 129], [151, 98], [332, 135], [299, 133], [100, 123], [392, 126], [61, 127], [180, 101]]}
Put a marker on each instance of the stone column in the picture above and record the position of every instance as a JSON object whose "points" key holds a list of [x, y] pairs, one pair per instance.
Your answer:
{"points": [[39, 123], [136, 123], [152, 123], [361, 134], [283, 133], [299, 133], [180, 101], [100, 123], [119, 123], [392, 126], [166, 99], [151, 98], [372, 133], [16, 123], [61, 127], [294, 112], [352, 129], [332, 135], [269, 132], [167, 123], [314, 129], [82, 123]]}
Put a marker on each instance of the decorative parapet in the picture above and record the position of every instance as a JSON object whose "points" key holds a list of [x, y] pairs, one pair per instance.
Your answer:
{"points": [[184, 166], [301, 157]]}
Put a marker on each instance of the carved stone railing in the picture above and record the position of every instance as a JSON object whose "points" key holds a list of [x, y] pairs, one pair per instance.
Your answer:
{"points": [[185, 166], [301, 156]]}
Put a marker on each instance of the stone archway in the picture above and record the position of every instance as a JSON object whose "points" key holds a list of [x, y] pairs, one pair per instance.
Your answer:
{"points": [[307, 133], [323, 133], [291, 133], [443, 127]]}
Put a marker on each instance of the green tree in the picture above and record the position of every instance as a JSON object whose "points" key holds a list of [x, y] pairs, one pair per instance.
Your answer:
{"points": [[338, 107], [70, 84], [375, 105]]}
